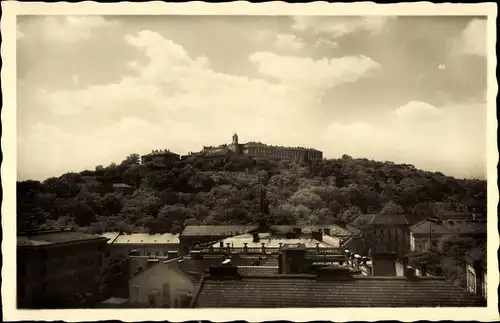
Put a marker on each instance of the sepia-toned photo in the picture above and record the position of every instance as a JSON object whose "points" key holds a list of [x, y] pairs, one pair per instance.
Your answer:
{"points": [[229, 161]]}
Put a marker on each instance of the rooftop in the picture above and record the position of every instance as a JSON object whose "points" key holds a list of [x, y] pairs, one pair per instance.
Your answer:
{"points": [[161, 152], [424, 227], [164, 238], [54, 238], [335, 230], [278, 291], [364, 221], [263, 145], [271, 241], [216, 230]]}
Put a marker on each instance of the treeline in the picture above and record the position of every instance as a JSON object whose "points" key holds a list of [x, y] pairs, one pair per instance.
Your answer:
{"points": [[197, 191]]}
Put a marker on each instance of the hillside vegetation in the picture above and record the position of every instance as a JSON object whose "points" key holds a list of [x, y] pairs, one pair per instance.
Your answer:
{"points": [[194, 191]]}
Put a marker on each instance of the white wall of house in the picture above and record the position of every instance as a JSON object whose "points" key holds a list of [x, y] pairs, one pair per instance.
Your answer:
{"points": [[160, 286], [471, 278]]}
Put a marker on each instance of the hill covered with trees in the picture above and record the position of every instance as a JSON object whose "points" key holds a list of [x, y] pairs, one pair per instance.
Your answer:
{"points": [[195, 191]]}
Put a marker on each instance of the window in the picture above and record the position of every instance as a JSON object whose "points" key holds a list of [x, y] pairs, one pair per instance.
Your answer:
{"points": [[485, 288], [471, 279]]}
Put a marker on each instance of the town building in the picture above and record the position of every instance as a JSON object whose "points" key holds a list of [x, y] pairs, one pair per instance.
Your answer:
{"points": [[428, 232], [56, 268], [476, 271], [142, 244], [299, 284], [160, 158], [381, 233], [259, 150], [170, 283], [193, 235]]}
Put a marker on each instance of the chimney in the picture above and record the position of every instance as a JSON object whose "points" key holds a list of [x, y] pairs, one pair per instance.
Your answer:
{"points": [[410, 273], [357, 260], [245, 247], [384, 264], [333, 273], [326, 231], [423, 268], [317, 235], [221, 272], [293, 259], [221, 244], [256, 237]]}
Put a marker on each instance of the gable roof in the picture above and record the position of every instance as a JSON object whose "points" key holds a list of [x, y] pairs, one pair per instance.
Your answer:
{"points": [[364, 221], [216, 230], [55, 238], [426, 226], [279, 291]]}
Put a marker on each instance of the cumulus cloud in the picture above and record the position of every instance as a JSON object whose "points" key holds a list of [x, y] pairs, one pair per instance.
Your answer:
{"points": [[315, 75], [65, 28], [325, 42], [450, 138], [168, 102], [472, 40], [336, 26], [288, 42]]}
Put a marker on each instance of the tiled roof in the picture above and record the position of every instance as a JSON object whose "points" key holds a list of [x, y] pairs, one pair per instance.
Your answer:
{"points": [[465, 227], [164, 238], [216, 230], [477, 254], [424, 227], [364, 221], [390, 219], [335, 230], [161, 152], [52, 238], [271, 241], [258, 270], [280, 291]]}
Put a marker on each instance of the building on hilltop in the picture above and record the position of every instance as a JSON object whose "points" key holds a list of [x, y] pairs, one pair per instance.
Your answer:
{"points": [[160, 158], [56, 268], [260, 150]]}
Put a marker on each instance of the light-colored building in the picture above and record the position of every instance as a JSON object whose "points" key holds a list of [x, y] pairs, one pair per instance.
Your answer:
{"points": [[476, 271], [142, 244], [162, 285], [425, 234], [260, 150]]}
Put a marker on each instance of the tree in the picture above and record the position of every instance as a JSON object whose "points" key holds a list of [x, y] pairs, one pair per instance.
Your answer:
{"points": [[392, 208]]}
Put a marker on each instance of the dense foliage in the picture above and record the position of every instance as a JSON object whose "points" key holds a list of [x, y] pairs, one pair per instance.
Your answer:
{"points": [[195, 191]]}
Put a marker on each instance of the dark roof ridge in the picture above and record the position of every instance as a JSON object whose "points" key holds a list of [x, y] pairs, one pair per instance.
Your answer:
{"points": [[198, 291]]}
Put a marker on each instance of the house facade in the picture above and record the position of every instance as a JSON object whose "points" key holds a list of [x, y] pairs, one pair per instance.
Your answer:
{"points": [[476, 271], [162, 285], [160, 158], [55, 268]]}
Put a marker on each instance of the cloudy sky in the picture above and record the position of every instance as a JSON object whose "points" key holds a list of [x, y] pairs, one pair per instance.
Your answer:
{"points": [[93, 89]]}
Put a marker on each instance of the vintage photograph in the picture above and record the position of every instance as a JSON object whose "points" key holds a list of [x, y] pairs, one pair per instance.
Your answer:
{"points": [[251, 161]]}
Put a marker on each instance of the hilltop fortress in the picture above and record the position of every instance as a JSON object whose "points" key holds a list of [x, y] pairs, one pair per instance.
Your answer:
{"points": [[235, 149], [260, 150]]}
